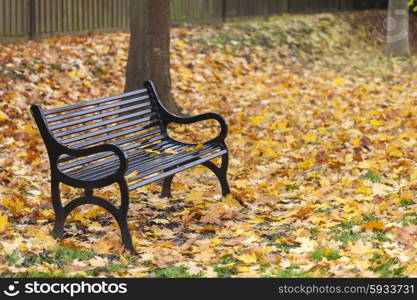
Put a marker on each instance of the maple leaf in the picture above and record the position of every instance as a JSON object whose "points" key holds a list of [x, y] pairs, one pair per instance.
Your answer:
{"points": [[4, 223], [249, 258], [153, 152], [373, 225], [170, 151]]}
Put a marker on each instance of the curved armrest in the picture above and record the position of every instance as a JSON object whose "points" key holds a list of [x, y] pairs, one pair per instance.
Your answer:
{"points": [[168, 117], [56, 148], [99, 149], [207, 116]]}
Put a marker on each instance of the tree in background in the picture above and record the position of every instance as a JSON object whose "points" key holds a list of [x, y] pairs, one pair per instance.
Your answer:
{"points": [[397, 28], [149, 57]]}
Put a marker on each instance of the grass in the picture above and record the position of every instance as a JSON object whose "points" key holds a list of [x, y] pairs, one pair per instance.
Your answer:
{"points": [[409, 218], [225, 272], [116, 268], [321, 253], [35, 274], [372, 176], [173, 272], [405, 203], [290, 272], [289, 188], [67, 255], [347, 236], [386, 266]]}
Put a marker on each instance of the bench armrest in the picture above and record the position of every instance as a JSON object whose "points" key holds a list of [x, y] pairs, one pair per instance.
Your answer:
{"points": [[56, 148], [207, 116], [168, 117], [75, 152]]}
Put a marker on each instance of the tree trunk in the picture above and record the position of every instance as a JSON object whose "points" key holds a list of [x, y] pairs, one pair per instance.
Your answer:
{"points": [[397, 28], [149, 57]]}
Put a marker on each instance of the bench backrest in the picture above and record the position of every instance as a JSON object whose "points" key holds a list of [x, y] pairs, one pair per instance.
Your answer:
{"points": [[129, 120]]}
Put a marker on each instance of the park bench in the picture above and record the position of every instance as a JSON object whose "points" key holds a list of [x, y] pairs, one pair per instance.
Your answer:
{"points": [[121, 139]]}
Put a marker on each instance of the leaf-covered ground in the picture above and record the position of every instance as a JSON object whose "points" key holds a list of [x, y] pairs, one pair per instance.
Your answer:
{"points": [[322, 140]]}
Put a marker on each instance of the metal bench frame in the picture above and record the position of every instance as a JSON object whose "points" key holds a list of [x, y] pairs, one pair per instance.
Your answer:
{"points": [[92, 179]]}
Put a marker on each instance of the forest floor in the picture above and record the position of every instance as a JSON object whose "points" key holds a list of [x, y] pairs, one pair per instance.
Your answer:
{"points": [[322, 137]]}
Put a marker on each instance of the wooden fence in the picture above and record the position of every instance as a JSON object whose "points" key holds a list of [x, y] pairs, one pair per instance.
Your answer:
{"points": [[35, 19]]}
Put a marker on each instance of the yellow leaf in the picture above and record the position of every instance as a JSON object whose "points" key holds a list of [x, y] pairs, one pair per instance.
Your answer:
{"points": [[102, 246], [373, 225], [307, 164], [310, 137], [413, 175], [257, 120], [170, 151], [230, 201], [194, 196], [154, 152], [364, 190], [393, 151], [382, 207], [356, 142], [197, 147], [180, 43], [375, 123], [338, 81], [132, 175], [16, 206], [3, 116], [248, 258], [4, 223], [215, 241], [243, 269]]}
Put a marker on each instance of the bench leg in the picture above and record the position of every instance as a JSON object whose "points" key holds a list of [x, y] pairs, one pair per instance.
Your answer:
{"points": [[166, 187], [58, 230], [221, 173], [120, 214]]}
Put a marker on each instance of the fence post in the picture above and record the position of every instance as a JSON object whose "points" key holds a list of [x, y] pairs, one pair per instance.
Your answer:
{"points": [[32, 19], [224, 10]]}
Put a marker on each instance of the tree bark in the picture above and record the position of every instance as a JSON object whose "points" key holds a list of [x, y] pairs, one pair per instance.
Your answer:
{"points": [[397, 28], [149, 57]]}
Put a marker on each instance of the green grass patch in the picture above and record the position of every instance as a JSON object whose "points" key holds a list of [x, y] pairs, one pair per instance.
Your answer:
{"points": [[225, 272], [35, 274], [381, 237], [116, 268], [228, 259], [289, 188], [372, 176], [347, 236], [173, 272], [405, 203], [68, 255], [290, 272], [320, 253], [386, 266], [409, 218]]}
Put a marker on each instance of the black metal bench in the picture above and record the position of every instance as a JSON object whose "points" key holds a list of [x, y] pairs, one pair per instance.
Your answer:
{"points": [[120, 139]]}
